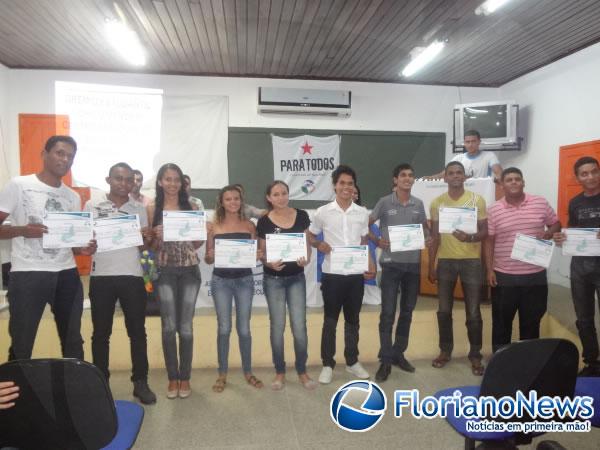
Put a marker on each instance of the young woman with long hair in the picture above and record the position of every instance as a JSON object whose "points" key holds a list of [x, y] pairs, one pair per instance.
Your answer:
{"points": [[232, 284], [284, 283], [178, 282]]}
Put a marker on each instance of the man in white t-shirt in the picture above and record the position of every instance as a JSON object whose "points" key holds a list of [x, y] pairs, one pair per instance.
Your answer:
{"points": [[40, 275], [117, 275], [477, 164]]}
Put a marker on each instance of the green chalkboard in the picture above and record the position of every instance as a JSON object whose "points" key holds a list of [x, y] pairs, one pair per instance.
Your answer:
{"points": [[372, 154]]}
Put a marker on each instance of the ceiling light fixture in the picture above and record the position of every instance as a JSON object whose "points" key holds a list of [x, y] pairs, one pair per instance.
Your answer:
{"points": [[489, 6], [421, 57], [126, 42]]}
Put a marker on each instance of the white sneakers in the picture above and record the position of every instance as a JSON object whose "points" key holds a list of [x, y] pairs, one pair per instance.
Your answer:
{"points": [[356, 369], [326, 375]]}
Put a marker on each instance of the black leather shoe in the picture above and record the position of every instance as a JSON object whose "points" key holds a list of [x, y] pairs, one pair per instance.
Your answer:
{"points": [[142, 391], [403, 364], [383, 372], [589, 371]]}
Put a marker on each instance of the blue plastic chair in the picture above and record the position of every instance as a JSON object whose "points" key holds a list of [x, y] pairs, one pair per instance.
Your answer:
{"points": [[548, 366], [65, 404], [590, 386]]}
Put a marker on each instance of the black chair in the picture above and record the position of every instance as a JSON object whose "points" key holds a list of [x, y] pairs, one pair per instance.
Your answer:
{"points": [[65, 404], [548, 366]]}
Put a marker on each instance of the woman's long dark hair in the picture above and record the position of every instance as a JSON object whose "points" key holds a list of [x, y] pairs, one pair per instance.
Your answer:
{"points": [[270, 187], [159, 200]]}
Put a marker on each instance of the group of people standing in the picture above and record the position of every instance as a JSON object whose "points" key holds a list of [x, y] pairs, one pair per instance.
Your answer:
{"points": [[43, 276]]}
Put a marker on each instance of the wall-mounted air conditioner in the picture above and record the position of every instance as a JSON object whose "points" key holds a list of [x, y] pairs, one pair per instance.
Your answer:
{"points": [[311, 102]]}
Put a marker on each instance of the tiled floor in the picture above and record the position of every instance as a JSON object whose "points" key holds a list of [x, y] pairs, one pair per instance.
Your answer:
{"points": [[247, 418]]}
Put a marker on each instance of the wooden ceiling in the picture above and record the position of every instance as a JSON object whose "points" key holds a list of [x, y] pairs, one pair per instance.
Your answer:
{"points": [[356, 40]]}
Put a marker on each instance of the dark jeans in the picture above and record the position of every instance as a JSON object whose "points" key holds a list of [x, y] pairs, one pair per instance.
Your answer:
{"points": [[341, 291], [406, 277], [527, 294], [287, 292], [177, 289], [585, 285], [470, 273], [28, 293], [130, 291]]}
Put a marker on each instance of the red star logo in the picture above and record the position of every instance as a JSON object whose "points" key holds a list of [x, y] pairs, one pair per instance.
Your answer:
{"points": [[306, 148]]}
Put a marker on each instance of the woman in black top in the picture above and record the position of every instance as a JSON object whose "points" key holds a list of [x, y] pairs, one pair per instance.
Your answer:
{"points": [[284, 283]]}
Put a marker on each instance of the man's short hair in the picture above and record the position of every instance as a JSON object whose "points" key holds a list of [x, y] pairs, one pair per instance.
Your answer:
{"points": [[122, 165], [584, 160], [343, 169], [454, 163], [138, 172], [53, 140], [511, 170], [473, 133], [400, 167]]}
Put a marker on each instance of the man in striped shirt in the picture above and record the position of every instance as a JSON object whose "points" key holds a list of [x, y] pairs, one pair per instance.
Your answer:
{"points": [[518, 286]]}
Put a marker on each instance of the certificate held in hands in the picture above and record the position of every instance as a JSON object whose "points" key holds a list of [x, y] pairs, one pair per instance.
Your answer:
{"points": [[184, 226], [349, 259], [581, 242], [67, 229], [406, 237], [532, 250], [235, 253], [285, 247], [457, 218], [115, 233]]}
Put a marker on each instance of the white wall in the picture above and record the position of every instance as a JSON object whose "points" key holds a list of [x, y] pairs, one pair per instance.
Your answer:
{"points": [[561, 105], [4, 127], [376, 106]]}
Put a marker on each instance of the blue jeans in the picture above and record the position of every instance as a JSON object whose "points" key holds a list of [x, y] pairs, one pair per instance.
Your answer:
{"points": [[177, 289], [471, 278], [290, 291], [224, 290], [403, 276]]}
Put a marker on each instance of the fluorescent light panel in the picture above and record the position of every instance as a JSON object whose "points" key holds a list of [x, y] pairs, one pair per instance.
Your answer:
{"points": [[423, 58], [488, 7], [126, 42]]}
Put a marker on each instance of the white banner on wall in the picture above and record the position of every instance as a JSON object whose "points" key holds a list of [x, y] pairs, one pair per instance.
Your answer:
{"points": [[305, 163]]}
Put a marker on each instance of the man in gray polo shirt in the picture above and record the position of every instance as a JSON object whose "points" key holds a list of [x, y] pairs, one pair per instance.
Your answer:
{"points": [[399, 270], [117, 274]]}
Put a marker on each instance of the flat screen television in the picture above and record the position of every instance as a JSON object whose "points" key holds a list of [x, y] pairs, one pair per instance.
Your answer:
{"points": [[496, 122]]}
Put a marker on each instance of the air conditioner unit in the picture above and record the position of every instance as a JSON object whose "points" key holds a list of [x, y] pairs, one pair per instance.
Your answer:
{"points": [[313, 102]]}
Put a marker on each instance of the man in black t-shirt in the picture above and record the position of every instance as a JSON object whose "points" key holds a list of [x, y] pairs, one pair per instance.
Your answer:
{"points": [[584, 212]]}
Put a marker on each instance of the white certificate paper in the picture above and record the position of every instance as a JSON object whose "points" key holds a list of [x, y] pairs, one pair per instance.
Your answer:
{"points": [[184, 226], [461, 218], [533, 251], [406, 237], [235, 253], [349, 260], [67, 229], [114, 233], [581, 242], [285, 246]]}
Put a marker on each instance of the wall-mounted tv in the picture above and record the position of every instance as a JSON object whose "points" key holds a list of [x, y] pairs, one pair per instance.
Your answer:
{"points": [[496, 122]]}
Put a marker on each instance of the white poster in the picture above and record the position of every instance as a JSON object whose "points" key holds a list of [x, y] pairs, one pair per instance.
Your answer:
{"points": [[305, 163]]}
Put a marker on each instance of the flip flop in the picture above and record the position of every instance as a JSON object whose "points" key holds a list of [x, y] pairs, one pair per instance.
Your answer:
{"points": [[276, 385], [219, 385], [255, 382], [477, 368], [441, 360]]}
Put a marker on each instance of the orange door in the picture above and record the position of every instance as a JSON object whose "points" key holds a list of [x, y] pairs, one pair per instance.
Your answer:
{"points": [[34, 131], [567, 183]]}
